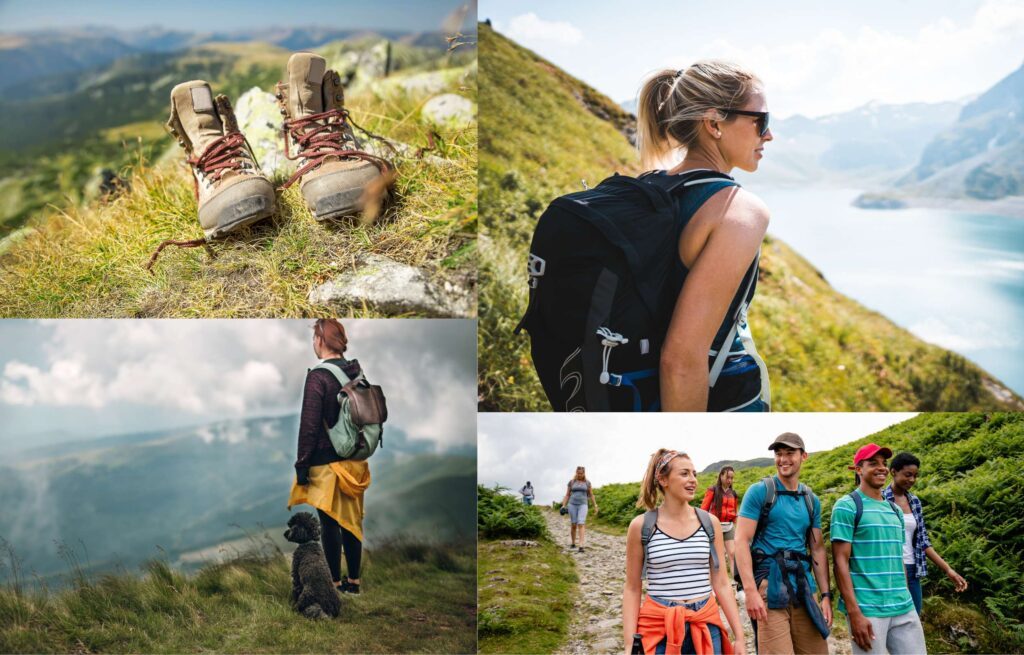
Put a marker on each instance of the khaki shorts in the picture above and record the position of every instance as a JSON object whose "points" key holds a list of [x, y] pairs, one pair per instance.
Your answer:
{"points": [[729, 531]]}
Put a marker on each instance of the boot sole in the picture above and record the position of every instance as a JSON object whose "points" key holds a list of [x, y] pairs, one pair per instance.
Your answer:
{"points": [[243, 204], [338, 205]]}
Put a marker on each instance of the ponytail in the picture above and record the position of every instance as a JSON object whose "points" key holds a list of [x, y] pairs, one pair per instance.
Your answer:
{"points": [[650, 488]]}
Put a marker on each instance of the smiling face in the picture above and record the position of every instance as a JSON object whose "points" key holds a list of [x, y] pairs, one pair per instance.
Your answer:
{"points": [[740, 143], [788, 461], [873, 471], [679, 479], [905, 477]]}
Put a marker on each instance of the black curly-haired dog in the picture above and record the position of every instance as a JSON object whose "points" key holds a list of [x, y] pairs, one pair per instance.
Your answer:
{"points": [[313, 593]]}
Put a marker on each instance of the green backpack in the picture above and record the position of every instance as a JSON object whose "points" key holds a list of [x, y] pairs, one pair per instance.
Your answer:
{"points": [[360, 425]]}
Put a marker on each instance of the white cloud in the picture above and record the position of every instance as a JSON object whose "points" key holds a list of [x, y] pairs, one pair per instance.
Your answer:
{"points": [[836, 69], [532, 30], [214, 369]]}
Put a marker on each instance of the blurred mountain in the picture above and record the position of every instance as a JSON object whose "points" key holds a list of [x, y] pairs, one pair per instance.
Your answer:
{"points": [[739, 465], [117, 500], [31, 56], [982, 154]]}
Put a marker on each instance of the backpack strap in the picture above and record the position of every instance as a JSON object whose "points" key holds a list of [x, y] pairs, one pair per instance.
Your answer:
{"points": [[650, 519], [858, 509], [766, 507], [741, 310], [809, 502], [336, 371], [709, 528]]}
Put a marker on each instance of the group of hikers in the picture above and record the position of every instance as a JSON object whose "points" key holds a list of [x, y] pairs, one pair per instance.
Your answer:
{"points": [[772, 542]]}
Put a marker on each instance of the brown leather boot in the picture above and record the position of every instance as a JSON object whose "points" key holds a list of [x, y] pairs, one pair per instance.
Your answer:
{"points": [[230, 190], [337, 178]]}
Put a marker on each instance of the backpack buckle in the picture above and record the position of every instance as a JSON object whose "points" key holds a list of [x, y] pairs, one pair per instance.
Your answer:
{"points": [[535, 268]]}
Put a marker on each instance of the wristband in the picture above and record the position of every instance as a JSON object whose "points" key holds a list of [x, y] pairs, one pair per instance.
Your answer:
{"points": [[826, 594]]}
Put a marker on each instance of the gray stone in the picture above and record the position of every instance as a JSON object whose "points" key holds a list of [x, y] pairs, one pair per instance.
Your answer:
{"points": [[391, 287], [520, 543], [449, 110], [260, 120]]}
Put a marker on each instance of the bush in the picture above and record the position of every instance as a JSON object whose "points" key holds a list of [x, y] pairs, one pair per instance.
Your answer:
{"points": [[500, 515]]}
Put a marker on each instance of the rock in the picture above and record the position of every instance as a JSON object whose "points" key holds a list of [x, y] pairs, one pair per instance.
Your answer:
{"points": [[519, 543], [449, 110], [260, 120], [359, 68], [390, 287]]}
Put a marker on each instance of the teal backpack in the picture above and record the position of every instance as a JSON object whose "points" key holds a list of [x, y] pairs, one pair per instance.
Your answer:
{"points": [[360, 425]]}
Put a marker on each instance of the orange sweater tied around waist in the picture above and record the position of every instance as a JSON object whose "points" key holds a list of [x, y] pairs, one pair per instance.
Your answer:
{"points": [[657, 622]]}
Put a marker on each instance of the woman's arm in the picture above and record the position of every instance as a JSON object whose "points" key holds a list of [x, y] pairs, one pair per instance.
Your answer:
{"points": [[590, 492], [958, 581], [711, 283], [631, 590], [568, 488], [709, 497], [310, 422], [723, 591]]}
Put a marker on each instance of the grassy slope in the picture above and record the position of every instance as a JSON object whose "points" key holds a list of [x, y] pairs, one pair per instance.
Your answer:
{"points": [[525, 593], [88, 259], [539, 140], [416, 599], [973, 499]]}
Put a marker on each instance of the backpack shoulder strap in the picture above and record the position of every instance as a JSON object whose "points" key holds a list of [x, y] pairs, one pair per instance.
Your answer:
{"points": [[808, 495], [766, 507], [650, 519], [335, 370], [858, 506], [709, 528]]}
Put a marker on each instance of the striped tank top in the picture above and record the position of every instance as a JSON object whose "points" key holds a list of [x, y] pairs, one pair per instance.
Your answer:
{"points": [[678, 568]]}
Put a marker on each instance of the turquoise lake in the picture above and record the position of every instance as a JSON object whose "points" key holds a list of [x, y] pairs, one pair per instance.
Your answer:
{"points": [[953, 278]]}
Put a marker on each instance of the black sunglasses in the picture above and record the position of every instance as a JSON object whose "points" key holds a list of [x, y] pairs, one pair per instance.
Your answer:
{"points": [[762, 118]]}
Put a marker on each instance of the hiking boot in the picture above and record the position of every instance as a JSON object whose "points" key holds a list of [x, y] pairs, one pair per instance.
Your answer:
{"points": [[230, 190], [337, 178], [347, 587]]}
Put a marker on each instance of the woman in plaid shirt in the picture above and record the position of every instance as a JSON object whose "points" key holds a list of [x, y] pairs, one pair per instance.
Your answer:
{"points": [[917, 548]]}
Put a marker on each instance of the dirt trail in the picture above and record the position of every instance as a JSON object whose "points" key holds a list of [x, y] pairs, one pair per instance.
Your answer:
{"points": [[596, 625]]}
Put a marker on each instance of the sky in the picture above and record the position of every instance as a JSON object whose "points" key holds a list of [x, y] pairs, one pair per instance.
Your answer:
{"points": [[546, 448], [227, 15], [815, 58], [72, 379]]}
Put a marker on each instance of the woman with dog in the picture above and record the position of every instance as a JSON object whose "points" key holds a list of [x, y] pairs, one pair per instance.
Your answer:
{"points": [[335, 487], [715, 113], [685, 590], [578, 494]]}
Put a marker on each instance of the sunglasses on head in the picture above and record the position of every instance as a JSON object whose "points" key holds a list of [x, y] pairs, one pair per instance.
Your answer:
{"points": [[762, 118]]}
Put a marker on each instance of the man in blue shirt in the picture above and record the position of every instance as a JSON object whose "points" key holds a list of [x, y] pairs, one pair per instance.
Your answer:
{"points": [[772, 558]]}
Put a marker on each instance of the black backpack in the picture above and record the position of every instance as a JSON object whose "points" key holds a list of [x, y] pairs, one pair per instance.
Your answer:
{"points": [[604, 277]]}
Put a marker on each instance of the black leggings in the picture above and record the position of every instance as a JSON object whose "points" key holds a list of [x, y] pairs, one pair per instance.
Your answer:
{"points": [[334, 538]]}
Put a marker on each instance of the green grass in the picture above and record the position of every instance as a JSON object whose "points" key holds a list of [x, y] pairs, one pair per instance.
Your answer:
{"points": [[526, 597], [542, 133], [973, 498], [500, 515], [85, 258], [416, 598]]}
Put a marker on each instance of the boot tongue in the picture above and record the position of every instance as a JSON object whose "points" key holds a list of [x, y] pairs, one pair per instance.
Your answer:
{"points": [[305, 83], [197, 113]]}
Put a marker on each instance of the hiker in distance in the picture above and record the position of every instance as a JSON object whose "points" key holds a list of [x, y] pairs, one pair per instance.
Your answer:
{"points": [[657, 272], [323, 478], [578, 494], [679, 550], [867, 534], [778, 546], [917, 547], [721, 500], [527, 493]]}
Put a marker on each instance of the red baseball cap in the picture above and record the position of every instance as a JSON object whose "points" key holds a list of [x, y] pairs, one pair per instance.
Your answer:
{"points": [[869, 451]]}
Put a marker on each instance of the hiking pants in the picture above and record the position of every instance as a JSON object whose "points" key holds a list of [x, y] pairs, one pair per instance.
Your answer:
{"points": [[898, 635], [788, 630], [333, 537]]}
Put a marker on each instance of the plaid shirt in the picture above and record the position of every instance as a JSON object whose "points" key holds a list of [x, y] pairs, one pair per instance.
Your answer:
{"points": [[921, 540]]}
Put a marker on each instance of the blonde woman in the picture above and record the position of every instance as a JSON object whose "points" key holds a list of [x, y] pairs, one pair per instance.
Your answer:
{"points": [[577, 495], [684, 592], [712, 116]]}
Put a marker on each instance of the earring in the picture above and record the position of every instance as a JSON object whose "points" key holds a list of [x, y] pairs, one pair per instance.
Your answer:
{"points": [[718, 135]]}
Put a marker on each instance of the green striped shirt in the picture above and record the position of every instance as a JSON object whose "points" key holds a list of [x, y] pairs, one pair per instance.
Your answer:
{"points": [[876, 560]]}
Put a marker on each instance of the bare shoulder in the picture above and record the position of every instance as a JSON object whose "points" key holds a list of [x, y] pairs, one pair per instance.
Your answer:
{"points": [[635, 526], [738, 207]]}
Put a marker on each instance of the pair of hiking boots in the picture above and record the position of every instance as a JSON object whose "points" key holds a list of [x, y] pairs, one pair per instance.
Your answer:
{"points": [[333, 174]]}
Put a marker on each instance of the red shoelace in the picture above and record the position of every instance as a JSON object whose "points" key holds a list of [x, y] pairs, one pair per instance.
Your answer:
{"points": [[225, 153], [319, 140]]}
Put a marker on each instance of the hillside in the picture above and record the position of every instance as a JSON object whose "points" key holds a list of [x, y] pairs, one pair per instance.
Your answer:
{"points": [[80, 253], [972, 495], [415, 598], [543, 132], [118, 501]]}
